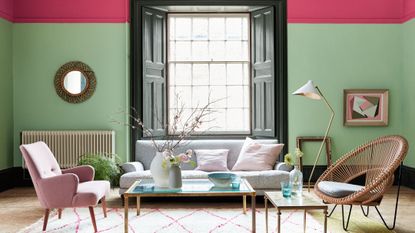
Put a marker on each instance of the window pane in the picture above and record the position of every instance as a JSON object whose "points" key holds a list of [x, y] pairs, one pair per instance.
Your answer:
{"points": [[172, 29], [235, 119], [218, 74], [183, 74], [246, 75], [200, 96], [183, 28], [218, 93], [183, 93], [217, 50], [200, 74], [234, 51], [234, 74], [200, 51], [172, 51], [183, 51], [245, 29], [217, 120], [200, 29], [217, 28], [234, 28], [172, 74], [234, 96]]}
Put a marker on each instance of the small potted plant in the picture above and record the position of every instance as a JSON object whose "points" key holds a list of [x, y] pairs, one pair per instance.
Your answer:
{"points": [[106, 166]]}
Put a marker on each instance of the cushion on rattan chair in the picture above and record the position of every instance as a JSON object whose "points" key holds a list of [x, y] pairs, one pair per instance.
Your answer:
{"points": [[338, 189]]}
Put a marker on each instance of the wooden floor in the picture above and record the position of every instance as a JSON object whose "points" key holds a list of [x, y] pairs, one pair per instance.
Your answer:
{"points": [[19, 208]]}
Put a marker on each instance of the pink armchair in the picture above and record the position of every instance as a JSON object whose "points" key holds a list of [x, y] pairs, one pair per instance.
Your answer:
{"points": [[59, 189]]}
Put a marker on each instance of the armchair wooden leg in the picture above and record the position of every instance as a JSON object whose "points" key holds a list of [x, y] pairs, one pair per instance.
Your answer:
{"points": [[104, 206], [45, 219], [59, 213], [94, 223]]}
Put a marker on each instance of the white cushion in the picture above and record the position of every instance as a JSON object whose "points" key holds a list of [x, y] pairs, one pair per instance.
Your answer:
{"points": [[257, 157], [212, 160], [338, 189]]}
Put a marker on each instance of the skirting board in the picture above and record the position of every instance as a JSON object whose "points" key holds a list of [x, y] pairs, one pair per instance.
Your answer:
{"points": [[18, 177], [7, 177]]}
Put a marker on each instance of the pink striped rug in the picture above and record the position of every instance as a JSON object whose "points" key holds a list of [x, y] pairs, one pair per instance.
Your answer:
{"points": [[192, 220]]}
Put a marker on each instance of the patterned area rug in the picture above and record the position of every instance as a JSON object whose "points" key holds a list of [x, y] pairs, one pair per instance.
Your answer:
{"points": [[161, 220]]}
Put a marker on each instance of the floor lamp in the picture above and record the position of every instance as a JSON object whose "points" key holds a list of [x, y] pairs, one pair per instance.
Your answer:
{"points": [[313, 92]]}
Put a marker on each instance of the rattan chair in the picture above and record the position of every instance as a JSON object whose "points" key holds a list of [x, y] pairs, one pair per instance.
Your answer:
{"points": [[377, 162]]}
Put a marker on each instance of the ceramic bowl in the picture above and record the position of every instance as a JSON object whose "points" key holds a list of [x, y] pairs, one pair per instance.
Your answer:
{"points": [[221, 179]]}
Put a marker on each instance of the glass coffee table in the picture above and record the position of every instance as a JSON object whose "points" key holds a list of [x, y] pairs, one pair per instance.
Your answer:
{"points": [[190, 188], [304, 202]]}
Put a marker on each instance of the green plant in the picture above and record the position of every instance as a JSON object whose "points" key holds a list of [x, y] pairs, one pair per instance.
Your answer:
{"points": [[106, 166]]}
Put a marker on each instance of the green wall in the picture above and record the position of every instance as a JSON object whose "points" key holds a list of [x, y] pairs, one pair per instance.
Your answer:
{"points": [[40, 49], [408, 86], [337, 57], [6, 95]]}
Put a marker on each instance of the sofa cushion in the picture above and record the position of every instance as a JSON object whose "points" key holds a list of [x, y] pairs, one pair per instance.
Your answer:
{"points": [[338, 189], [257, 179], [212, 160], [257, 157]]}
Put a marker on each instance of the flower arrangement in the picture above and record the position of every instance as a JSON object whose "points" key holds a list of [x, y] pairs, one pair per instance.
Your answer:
{"points": [[180, 128], [177, 160], [291, 159]]}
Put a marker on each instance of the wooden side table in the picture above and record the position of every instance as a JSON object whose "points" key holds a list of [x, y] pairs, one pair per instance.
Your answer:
{"points": [[304, 202]]}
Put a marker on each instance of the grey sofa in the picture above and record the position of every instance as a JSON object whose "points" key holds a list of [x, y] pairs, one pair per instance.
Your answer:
{"points": [[260, 180]]}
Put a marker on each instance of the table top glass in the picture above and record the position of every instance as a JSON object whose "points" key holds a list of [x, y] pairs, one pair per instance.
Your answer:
{"points": [[190, 186], [305, 200]]}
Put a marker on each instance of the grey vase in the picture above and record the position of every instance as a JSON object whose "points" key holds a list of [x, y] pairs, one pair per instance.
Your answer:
{"points": [[175, 177]]}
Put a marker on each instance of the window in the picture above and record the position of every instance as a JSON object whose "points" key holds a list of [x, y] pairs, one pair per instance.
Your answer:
{"points": [[233, 49], [208, 57]]}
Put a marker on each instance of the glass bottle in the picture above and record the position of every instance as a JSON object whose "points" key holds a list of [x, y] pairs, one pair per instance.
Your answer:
{"points": [[296, 179]]}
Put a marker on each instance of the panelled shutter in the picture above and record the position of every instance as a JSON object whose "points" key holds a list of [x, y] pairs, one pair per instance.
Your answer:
{"points": [[154, 70], [263, 73]]}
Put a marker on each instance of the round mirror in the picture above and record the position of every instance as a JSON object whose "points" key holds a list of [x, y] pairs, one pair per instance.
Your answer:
{"points": [[75, 82]]}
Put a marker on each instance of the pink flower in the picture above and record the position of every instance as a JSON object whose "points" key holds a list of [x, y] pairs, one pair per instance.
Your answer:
{"points": [[189, 153], [184, 158]]}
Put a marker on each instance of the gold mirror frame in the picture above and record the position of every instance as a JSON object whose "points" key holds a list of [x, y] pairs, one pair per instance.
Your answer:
{"points": [[89, 89]]}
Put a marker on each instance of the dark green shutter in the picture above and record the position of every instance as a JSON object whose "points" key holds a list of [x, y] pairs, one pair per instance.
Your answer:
{"points": [[154, 70], [263, 74]]}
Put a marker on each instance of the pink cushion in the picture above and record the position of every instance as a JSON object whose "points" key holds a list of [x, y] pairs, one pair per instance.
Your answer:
{"points": [[257, 157], [212, 160], [89, 193]]}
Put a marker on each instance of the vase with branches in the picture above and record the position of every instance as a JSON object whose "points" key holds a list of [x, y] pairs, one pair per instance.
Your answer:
{"points": [[177, 131]]}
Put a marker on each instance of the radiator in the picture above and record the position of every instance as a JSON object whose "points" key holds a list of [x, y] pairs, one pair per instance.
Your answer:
{"points": [[69, 146]]}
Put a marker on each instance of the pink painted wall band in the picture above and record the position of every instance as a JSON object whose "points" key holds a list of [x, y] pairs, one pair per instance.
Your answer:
{"points": [[117, 11], [6, 10]]}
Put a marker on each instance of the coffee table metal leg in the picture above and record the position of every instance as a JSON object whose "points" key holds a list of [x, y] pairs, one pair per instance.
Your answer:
{"points": [[244, 204], [278, 220], [253, 213], [325, 220], [138, 205], [266, 214], [125, 213], [305, 220]]}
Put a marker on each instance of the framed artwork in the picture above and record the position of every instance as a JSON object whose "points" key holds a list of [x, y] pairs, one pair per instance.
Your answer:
{"points": [[366, 107]]}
